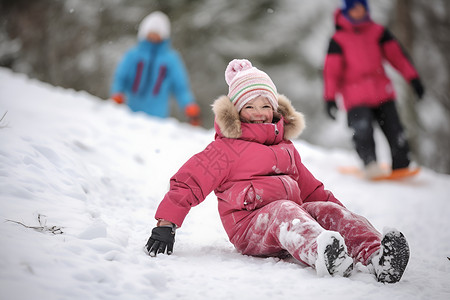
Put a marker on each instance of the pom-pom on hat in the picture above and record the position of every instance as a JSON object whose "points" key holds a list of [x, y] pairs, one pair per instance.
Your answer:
{"points": [[246, 82], [157, 22]]}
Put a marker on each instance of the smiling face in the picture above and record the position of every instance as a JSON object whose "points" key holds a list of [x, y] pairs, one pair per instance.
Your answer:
{"points": [[257, 110]]}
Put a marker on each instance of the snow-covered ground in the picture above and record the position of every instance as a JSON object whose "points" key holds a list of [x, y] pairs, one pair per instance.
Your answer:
{"points": [[80, 180]]}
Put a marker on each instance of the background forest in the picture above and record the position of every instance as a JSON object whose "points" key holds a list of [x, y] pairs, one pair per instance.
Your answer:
{"points": [[78, 43]]}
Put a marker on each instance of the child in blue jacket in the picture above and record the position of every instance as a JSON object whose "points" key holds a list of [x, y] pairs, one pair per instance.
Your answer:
{"points": [[152, 71]]}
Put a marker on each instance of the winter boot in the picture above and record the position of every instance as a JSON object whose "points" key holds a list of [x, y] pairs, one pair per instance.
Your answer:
{"points": [[332, 255], [373, 171], [391, 260]]}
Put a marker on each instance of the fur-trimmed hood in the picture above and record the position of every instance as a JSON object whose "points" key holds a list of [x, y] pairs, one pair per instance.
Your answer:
{"points": [[229, 123]]}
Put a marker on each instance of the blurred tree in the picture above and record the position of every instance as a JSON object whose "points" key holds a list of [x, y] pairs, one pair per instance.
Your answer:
{"points": [[423, 27]]}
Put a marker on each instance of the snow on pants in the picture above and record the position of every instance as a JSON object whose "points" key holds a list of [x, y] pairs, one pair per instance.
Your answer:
{"points": [[286, 226]]}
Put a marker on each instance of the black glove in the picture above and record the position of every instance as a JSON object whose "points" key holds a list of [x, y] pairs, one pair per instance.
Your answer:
{"points": [[418, 87], [162, 238], [332, 109]]}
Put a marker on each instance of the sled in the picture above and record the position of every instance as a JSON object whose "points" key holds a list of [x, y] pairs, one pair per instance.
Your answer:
{"points": [[391, 175]]}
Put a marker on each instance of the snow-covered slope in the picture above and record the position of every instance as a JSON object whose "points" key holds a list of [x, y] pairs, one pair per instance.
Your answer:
{"points": [[80, 179]]}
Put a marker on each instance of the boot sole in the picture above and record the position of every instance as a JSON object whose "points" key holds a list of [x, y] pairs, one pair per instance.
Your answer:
{"points": [[333, 252], [394, 258]]}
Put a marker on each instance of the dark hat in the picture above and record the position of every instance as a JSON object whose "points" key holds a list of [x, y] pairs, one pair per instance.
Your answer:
{"points": [[348, 4]]}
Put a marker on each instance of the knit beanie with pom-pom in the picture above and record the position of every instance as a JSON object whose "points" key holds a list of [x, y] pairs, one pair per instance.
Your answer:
{"points": [[246, 82]]}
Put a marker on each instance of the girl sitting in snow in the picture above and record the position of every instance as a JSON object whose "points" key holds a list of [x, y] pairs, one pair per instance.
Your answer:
{"points": [[269, 203]]}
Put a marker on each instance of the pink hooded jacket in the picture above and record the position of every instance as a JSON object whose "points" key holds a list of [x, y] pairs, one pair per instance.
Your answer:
{"points": [[354, 63], [247, 166]]}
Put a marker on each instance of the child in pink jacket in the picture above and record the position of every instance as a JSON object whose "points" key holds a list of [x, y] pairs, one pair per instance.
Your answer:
{"points": [[269, 203], [354, 71]]}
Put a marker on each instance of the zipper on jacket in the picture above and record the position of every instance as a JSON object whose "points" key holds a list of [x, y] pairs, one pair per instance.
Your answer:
{"points": [[150, 65], [276, 132]]}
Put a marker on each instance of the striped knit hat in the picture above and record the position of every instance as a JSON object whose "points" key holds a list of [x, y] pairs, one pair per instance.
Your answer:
{"points": [[246, 82]]}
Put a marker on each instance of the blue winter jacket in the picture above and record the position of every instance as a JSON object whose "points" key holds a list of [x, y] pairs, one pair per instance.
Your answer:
{"points": [[148, 74]]}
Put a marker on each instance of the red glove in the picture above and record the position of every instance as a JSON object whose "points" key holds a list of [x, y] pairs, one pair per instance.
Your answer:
{"points": [[118, 98], [193, 114]]}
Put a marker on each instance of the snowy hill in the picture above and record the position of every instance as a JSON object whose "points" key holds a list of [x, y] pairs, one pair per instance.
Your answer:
{"points": [[80, 180]]}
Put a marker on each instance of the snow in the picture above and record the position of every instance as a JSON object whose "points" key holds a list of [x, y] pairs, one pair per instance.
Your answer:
{"points": [[80, 180]]}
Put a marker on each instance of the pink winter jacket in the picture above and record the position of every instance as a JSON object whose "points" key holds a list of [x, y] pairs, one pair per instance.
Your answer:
{"points": [[354, 63], [247, 166]]}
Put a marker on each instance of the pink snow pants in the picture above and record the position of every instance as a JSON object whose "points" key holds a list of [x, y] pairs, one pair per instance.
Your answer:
{"points": [[286, 226]]}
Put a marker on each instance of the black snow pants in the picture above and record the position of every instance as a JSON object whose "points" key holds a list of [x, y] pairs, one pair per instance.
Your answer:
{"points": [[360, 120]]}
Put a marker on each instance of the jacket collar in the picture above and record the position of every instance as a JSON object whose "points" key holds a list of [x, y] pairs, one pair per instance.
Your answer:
{"points": [[288, 124], [149, 46]]}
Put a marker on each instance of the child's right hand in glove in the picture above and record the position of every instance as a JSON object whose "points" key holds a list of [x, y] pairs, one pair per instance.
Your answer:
{"points": [[162, 239]]}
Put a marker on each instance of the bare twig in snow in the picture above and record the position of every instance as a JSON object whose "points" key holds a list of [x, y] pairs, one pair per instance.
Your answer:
{"points": [[42, 228]]}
